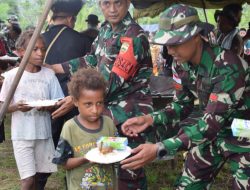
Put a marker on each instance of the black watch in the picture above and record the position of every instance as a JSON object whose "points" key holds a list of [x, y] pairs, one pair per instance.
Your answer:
{"points": [[161, 151]]}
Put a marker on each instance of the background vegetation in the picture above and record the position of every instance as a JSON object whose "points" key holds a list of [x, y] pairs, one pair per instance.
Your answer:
{"points": [[28, 12]]}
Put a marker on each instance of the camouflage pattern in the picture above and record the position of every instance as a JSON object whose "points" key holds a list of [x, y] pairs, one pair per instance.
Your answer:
{"points": [[125, 99], [222, 85], [177, 25]]}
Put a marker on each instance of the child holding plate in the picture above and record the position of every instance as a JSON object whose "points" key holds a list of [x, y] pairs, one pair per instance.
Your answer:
{"points": [[30, 127], [80, 134]]}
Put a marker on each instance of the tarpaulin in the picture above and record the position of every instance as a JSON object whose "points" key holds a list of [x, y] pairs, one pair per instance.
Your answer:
{"points": [[152, 8]]}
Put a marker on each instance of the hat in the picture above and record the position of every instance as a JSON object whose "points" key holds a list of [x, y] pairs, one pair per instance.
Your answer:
{"points": [[70, 7], [217, 13], [178, 24], [13, 19], [92, 19]]}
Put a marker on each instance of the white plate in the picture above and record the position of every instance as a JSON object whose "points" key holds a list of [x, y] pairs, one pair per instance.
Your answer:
{"points": [[94, 155], [41, 103], [8, 58]]}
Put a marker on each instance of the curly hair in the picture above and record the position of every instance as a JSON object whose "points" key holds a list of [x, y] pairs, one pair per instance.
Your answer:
{"points": [[23, 40], [86, 79]]}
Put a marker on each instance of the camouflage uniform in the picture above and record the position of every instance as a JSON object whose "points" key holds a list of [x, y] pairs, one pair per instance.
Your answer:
{"points": [[221, 83], [125, 98]]}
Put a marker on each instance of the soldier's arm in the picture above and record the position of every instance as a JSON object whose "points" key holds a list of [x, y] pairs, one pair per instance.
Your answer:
{"points": [[72, 65], [229, 85], [139, 73], [180, 108]]}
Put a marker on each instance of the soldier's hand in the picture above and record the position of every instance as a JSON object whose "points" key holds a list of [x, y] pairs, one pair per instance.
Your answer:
{"points": [[144, 154], [65, 105], [132, 127]]}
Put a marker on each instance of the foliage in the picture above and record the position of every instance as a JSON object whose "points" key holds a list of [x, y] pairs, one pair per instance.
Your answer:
{"points": [[90, 7], [4, 8], [11, 9], [29, 11]]}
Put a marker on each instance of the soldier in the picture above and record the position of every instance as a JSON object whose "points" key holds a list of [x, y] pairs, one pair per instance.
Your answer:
{"points": [[11, 34], [121, 53], [220, 79], [228, 19]]}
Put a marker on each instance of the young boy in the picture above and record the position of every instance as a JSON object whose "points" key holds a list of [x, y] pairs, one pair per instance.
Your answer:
{"points": [[79, 134], [30, 127]]}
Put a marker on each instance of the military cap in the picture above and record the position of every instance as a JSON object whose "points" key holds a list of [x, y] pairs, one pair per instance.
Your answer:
{"points": [[178, 24], [68, 7]]}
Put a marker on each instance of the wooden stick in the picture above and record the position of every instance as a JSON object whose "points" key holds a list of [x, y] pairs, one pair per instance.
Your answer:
{"points": [[25, 59]]}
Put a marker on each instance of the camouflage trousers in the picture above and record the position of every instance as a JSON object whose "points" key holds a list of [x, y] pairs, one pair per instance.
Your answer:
{"points": [[203, 163], [131, 180]]}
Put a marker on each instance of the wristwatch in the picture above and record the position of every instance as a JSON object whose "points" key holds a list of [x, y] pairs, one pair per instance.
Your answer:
{"points": [[161, 151]]}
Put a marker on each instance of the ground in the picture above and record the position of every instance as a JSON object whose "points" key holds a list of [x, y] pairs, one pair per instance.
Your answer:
{"points": [[160, 175]]}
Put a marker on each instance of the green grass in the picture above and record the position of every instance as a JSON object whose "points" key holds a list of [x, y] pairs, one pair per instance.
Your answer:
{"points": [[9, 177], [160, 175]]}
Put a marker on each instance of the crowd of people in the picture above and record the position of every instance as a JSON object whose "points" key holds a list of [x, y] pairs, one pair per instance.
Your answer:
{"points": [[101, 77]]}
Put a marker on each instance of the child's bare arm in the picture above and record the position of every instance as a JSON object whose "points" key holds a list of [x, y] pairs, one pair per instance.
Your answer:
{"points": [[19, 106], [72, 163]]}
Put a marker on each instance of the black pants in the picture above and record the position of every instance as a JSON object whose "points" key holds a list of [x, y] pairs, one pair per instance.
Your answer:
{"points": [[2, 135]]}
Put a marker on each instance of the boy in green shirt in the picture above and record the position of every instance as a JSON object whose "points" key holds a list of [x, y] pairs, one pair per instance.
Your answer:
{"points": [[79, 134]]}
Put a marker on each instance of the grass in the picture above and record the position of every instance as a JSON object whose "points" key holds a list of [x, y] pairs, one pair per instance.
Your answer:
{"points": [[160, 175]]}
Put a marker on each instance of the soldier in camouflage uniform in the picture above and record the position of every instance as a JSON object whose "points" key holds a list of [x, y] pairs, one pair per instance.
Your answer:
{"points": [[121, 53], [220, 79]]}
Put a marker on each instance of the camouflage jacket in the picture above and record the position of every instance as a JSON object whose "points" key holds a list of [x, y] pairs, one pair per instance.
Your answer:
{"points": [[128, 98], [222, 85]]}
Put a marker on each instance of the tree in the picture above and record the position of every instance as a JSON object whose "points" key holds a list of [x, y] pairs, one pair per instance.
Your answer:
{"points": [[4, 8]]}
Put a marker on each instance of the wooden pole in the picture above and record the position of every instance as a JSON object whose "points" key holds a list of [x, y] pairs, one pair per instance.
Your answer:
{"points": [[25, 59]]}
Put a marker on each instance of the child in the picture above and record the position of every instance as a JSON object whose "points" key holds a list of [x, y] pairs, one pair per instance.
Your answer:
{"points": [[79, 134], [31, 127]]}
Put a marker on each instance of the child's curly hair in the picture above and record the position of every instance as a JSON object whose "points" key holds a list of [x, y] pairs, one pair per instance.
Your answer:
{"points": [[23, 40], [86, 78]]}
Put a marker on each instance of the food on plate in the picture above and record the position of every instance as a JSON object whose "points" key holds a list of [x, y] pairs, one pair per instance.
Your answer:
{"points": [[108, 144]]}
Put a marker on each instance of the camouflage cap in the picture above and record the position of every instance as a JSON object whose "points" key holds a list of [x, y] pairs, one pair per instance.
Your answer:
{"points": [[177, 24]]}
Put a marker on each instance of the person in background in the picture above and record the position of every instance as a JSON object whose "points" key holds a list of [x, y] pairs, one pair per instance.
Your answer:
{"points": [[242, 32], [228, 19], [220, 79], [3, 67], [121, 54], [31, 126], [10, 34], [63, 43], [246, 40], [92, 31], [80, 134]]}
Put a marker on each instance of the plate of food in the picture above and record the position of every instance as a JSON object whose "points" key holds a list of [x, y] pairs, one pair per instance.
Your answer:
{"points": [[8, 58], [109, 150], [42, 103]]}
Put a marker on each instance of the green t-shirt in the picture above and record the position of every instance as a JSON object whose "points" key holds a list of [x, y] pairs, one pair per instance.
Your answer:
{"points": [[76, 141]]}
